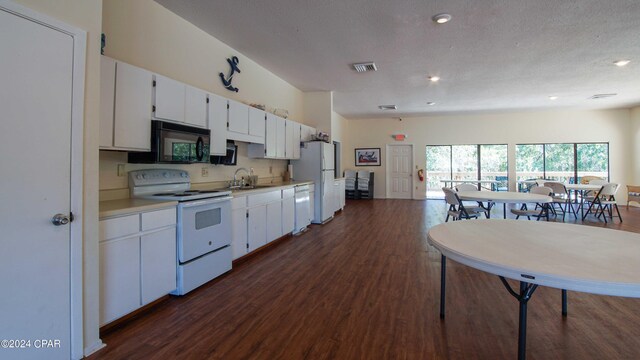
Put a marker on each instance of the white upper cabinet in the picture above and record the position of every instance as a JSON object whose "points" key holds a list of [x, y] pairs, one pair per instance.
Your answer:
{"points": [[271, 136], [257, 122], [245, 123], [238, 119], [296, 140], [107, 100], [132, 110], [281, 141], [289, 140], [125, 106], [217, 120], [169, 99], [178, 102], [195, 107]]}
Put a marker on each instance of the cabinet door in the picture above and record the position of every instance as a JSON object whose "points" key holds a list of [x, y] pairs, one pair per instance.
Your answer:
{"points": [[296, 140], [238, 117], [257, 227], [256, 122], [288, 151], [271, 138], [218, 124], [288, 214], [195, 107], [274, 220], [158, 264], [119, 278], [107, 97], [312, 206], [132, 120], [280, 137], [239, 232], [169, 99]]}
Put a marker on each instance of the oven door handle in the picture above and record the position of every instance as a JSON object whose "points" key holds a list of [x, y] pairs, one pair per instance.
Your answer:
{"points": [[205, 202]]}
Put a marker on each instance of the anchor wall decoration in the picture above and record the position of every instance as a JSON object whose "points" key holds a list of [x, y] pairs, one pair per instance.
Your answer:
{"points": [[233, 62]]}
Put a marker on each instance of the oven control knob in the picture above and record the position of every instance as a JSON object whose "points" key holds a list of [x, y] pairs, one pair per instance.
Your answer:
{"points": [[183, 174], [165, 175], [144, 176]]}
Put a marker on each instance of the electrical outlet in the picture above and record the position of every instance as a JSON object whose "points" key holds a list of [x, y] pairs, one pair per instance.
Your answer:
{"points": [[120, 170], [205, 171]]}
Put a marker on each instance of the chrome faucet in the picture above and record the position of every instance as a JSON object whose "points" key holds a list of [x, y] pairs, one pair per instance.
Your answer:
{"points": [[235, 175]]}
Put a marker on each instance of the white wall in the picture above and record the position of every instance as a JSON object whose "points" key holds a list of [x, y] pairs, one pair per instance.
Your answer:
{"points": [[265, 169], [86, 15], [634, 176], [147, 35], [318, 106], [613, 126]]}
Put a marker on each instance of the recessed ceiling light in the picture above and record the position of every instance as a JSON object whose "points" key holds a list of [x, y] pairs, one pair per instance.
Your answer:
{"points": [[553, 97], [441, 18], [622, 63], [431, 103], [434, 78], [388, 107]]}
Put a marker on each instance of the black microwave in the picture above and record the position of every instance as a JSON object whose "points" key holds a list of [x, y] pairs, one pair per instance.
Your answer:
{"points": [[230, 158], [175, 144]]}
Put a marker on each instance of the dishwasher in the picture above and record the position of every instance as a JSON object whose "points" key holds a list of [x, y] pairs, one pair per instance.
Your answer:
{"points": [[303, 218]]}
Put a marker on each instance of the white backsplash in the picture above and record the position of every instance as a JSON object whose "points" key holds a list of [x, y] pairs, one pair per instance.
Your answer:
{"points": [[109, 161]]}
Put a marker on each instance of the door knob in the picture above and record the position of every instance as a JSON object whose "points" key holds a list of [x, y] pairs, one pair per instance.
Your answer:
{"points": [[60, 219]]}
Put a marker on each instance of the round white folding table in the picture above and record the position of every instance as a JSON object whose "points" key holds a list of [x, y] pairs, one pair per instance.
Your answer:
{"points": [[504, 197], [564, 256]]}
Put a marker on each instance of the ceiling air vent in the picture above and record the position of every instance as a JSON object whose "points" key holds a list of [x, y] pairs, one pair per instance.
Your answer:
{"points": [[602, 96], [364, 67], [388, 107]]}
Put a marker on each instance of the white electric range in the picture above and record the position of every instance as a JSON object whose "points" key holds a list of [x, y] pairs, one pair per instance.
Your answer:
{"points": [[203, 224]]}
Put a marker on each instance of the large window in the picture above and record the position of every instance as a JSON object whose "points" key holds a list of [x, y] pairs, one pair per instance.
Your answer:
{"points": [[566, 162], [465, 162]]}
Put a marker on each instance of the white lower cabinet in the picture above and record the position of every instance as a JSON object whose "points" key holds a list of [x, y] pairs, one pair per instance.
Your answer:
{"points": [[274, 220], [239, 226], [288, 210], [137, 261], [261, 218], [256, 227], [119, 278], [157, 264]]}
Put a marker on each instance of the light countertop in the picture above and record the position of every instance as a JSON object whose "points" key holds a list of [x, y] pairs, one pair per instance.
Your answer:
{"points": [[109, 208], [119, 207]]}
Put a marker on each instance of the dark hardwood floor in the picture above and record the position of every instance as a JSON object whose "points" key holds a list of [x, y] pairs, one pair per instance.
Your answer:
{"points": [[366, 286]]}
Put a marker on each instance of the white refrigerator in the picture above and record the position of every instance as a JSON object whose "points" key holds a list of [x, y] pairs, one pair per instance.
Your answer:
{"points": [[316, 164]]}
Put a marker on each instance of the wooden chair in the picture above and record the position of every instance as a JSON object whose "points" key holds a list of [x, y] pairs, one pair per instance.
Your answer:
{"points": [[633, 194]]}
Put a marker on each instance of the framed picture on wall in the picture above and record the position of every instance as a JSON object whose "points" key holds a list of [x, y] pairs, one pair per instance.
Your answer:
{"points": [[368, 157]]}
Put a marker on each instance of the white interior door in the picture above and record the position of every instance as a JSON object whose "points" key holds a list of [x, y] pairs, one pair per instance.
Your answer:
{"points": [[35, 107], [399, 177]]}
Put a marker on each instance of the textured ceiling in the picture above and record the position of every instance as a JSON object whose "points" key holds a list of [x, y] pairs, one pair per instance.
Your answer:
{"points": [[494, 55]]}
